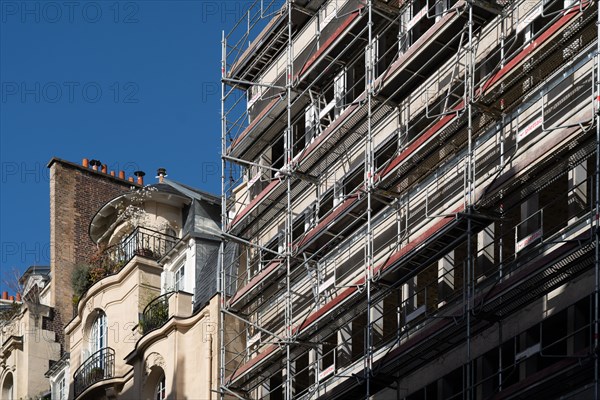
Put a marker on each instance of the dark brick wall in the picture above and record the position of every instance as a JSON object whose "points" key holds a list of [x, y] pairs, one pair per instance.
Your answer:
{"points": [[76, 194]]}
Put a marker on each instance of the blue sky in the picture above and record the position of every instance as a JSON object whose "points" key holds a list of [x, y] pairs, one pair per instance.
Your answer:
{"points": [[134, 84]]}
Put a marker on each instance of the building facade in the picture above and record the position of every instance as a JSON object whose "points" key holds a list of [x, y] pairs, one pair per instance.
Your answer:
{"points": [[28, 342], [146, 320], [77, 191], [412, 188], [35, 354]]}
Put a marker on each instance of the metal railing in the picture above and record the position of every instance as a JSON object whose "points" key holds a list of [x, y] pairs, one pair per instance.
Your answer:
{"points": [[97, 367], [141, 242], [156, 313]]}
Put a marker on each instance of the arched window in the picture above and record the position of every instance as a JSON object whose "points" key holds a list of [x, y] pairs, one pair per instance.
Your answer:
{"points": [[155, 387], [99, 333], [8, 387], [160, 392]]}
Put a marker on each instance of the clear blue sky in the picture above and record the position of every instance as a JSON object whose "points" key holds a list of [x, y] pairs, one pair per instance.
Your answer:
{"points": [[134, 84]]}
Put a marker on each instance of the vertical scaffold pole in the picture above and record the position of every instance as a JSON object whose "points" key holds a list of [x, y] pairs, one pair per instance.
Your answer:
{"points": [[221, 283], [369, 171], [470, 182], [288, 219], [596, 226]]}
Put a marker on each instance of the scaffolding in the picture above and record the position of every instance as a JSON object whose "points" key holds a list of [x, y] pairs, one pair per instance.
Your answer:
{"points": [[400, 180]]}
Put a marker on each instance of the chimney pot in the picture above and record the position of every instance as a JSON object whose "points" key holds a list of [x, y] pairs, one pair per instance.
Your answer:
{"points": [[85, 162], [4, 295], [95, 164], [121, 174], [140, 176], [104, 168], [12, 298], [112, 173], [18, 296], [161, 173], [130, 179]]}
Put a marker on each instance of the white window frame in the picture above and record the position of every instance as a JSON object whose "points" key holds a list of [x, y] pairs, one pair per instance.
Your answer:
{"points": [[441, 7], [327, 13], [60, 387], [179, 277], [338, 193], [99, 333], [281, 241], [404, 31], [310, 219], [310, 124], [160, 391], [339, 92]]}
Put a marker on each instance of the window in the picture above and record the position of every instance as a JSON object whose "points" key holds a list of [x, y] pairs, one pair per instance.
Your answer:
{"points": [[441, 6], [7, 387], [327, 14], [99, 333], [60, 388], [309, 217], [404, 33], [328, 349], [338, 193], [281, 241], [528, 35], [310, 124], [160, 393], [180, 278], [257, 177], [339, 91]]}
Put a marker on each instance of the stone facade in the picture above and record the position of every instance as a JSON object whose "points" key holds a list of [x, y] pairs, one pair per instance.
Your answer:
{"points": [[141, 330], [27, 348]]}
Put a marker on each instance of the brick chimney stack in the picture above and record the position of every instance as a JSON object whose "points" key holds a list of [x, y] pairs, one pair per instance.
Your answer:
{"points": [[77, 192]]}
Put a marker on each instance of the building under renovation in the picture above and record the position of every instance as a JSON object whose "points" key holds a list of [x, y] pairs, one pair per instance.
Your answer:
{"points": [[410, 200]]}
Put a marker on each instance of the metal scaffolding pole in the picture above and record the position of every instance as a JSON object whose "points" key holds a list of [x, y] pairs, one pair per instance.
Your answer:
{"points": [[221, 283], [288, 148], [369, 172], [470, 182], [596, 72]]}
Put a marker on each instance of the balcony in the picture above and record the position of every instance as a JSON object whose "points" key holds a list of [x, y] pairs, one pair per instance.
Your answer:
{"points": [[141, 242], [99, 366], [158, 311]]}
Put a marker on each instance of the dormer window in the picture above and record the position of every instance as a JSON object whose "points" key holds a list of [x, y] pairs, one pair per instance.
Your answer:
{"points": [[173, 278]]}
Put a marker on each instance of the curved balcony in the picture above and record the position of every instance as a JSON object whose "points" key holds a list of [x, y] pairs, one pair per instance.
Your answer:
{"points": [[177, 304], [156, 313], [141, 242], [97, 367]]}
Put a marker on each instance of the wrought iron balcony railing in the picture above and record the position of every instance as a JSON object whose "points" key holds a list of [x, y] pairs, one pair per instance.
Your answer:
{"points": [[141, 242], [97, 367], [156, 313]]}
